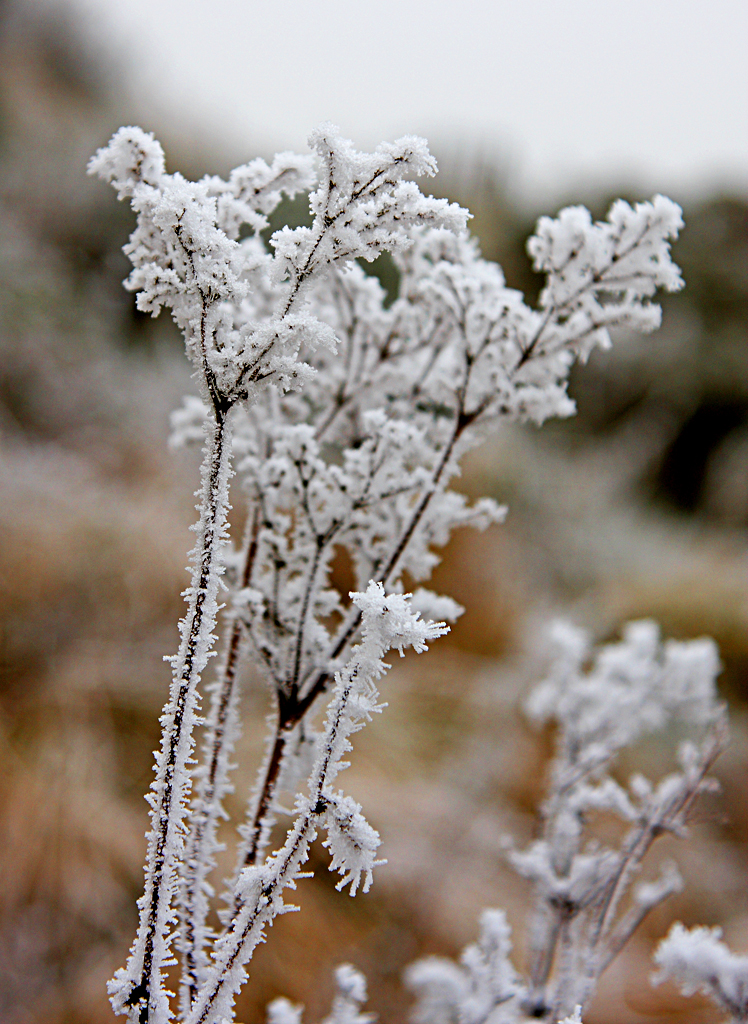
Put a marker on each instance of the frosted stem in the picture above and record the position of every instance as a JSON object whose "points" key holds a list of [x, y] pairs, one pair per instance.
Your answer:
{"points": [[212, 785], [140, 988]]}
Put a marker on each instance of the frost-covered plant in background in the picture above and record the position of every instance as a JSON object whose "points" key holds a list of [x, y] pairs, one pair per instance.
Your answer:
{"points": [[580, 918], [344, 417]]}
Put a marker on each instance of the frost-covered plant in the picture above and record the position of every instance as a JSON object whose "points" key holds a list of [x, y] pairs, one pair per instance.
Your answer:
{"points": [[346, 418], [698, 961], [599, 702]]}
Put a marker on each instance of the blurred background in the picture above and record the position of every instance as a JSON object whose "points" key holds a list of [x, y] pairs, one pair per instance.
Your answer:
{"points": [[637, 507]]}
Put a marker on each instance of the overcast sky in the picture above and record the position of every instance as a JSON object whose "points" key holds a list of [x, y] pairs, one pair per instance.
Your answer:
{"points": [[654, 91]]}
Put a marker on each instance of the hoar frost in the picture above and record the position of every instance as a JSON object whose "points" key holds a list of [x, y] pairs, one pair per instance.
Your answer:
{"points": [[343, 418], [698, 961]]}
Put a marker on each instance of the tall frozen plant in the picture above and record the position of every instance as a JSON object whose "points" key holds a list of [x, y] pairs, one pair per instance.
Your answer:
{"points": [[346, 418]]}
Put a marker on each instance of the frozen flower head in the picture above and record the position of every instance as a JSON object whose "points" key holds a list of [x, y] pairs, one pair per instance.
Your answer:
{"points": [[133, 157]]}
